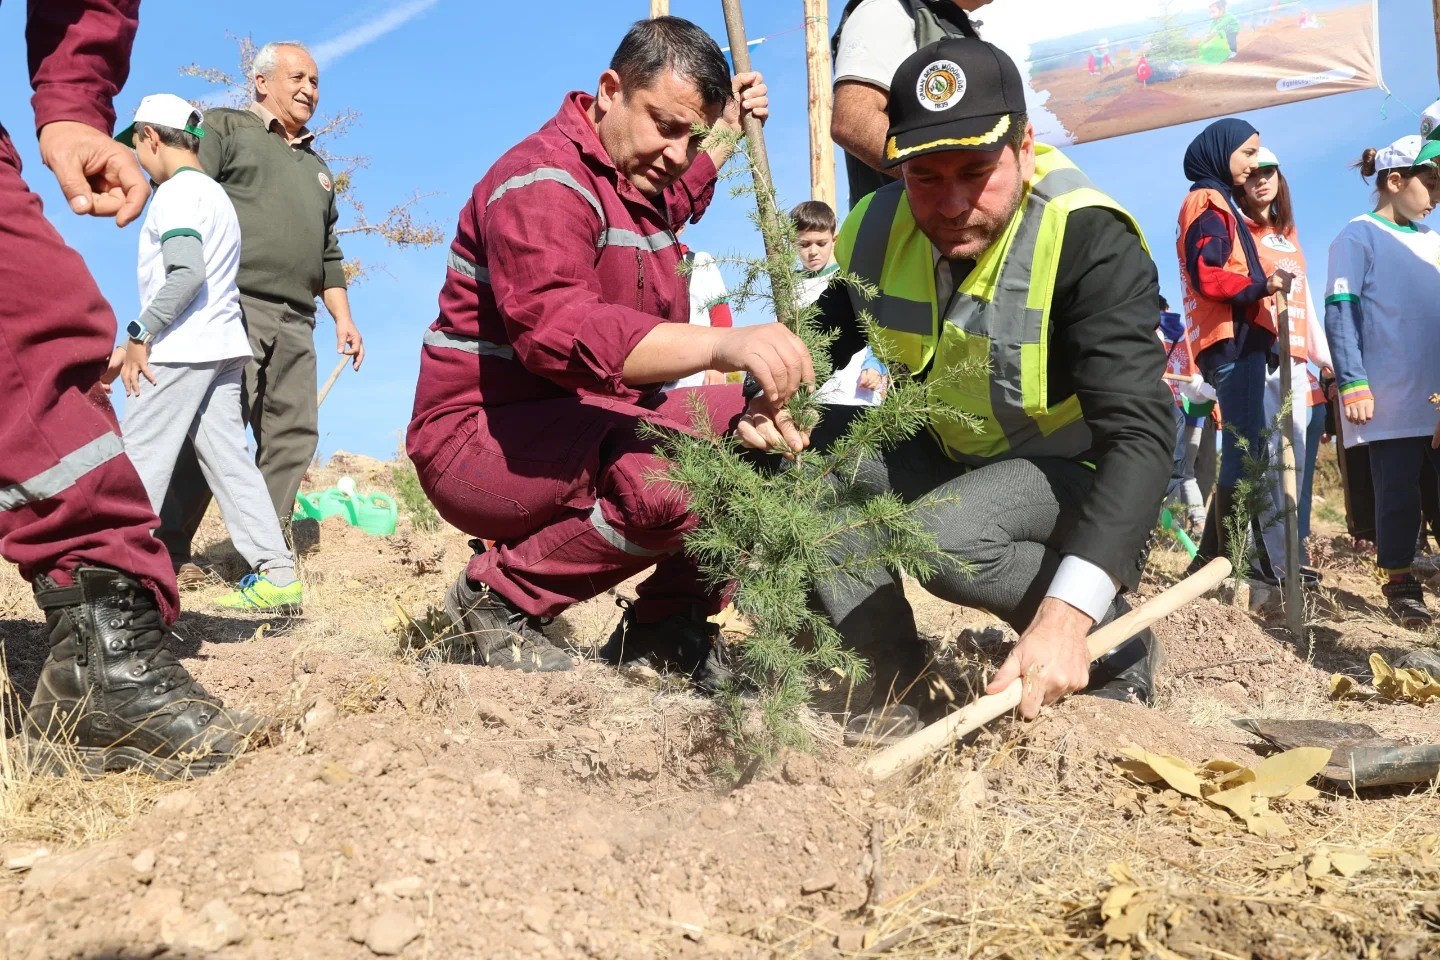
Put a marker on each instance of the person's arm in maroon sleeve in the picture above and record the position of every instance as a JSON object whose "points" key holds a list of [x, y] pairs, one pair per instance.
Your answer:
{"points": [[540, 249], [79, 53], [687, 198]]}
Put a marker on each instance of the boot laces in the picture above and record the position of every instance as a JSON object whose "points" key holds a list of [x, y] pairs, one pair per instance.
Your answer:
{"points": [[142, 631]]}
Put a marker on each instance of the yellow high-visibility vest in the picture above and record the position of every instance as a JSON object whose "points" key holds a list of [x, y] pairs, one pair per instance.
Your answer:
{"points": [[993, 342]]}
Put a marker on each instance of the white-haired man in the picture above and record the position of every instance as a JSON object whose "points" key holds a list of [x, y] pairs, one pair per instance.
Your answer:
{"points": [[284, 196]]}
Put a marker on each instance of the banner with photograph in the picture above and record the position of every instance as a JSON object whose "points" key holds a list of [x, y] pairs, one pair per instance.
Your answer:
{"points": [[1098, 70]]}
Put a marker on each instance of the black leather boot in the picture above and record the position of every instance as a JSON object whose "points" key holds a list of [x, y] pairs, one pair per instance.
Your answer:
{"points": [[687, 643], [1127, 672], [111, 697]]}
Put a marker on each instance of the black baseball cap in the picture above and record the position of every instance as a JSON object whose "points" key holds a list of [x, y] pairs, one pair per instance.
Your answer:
{"points": [[959, 93]]}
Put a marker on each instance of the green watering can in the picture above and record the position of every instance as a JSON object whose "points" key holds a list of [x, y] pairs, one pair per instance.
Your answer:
{"points": [[375, 513]]}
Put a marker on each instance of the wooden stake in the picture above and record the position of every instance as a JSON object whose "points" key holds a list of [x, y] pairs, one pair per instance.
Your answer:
{"points": [[659, 8], [334, 375], [1294, 597], [755, 133], [920, 745], [817, 62]]}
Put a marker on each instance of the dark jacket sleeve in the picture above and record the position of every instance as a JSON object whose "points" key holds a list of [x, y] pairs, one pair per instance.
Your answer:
{"points": [[1103, 337], [837, 314], [1208, 244], [79, 57]]}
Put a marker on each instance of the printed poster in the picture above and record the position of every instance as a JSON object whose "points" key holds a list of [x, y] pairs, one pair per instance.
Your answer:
{"points": [[1098, 70]]}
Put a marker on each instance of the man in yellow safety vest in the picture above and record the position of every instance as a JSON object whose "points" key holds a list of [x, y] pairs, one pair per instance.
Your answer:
{"points": [[1029, 298]]}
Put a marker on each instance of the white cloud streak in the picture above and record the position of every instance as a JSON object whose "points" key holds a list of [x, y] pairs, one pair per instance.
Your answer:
{"points": [[328, 51]]}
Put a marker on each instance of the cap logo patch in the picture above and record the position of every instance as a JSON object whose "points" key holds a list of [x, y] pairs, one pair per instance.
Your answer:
{"points": [[1427, 126], [324, 180], [941, 86]]}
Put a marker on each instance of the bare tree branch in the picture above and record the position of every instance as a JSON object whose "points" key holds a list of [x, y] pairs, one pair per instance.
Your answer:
{"points": [[400, 228]]}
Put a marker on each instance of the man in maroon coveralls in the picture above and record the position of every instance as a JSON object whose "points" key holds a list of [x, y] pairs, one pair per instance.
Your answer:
{"points": [[73, 514], [561, 317]]}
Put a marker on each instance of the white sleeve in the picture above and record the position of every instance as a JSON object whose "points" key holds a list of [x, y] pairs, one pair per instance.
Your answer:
{"points": [[1084, 586], [1319, 345], [877, 38]]}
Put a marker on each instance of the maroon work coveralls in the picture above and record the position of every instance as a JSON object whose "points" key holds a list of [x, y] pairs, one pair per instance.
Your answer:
{"points": [[68, 494], [523, 430]]}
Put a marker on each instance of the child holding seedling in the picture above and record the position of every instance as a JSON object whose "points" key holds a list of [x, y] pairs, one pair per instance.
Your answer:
{"points": [[1384, 328]]}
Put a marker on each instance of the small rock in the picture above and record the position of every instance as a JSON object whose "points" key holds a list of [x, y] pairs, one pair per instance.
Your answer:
{"points": [[319, 715], [688, 914], [494, 714], [390, 932], [359, 927], [144, 864], [538, 916], [400, 887], [497, 786], [1235, 689], [157, 902], [825, 879], [278, 872], [23, 856], [300, 833], [215, 927], [851, 940]]}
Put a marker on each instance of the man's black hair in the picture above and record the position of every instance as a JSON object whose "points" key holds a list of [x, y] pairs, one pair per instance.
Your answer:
{"points": [[670, 43]]}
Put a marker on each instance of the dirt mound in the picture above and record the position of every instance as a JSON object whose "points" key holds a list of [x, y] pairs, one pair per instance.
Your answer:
{"points": [[435, 810]]}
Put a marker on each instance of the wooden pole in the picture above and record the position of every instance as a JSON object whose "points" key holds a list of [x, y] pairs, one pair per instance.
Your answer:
{"points": [[916, 747], [659, 8], [330, 382], [817, 62], [1294, 596], [776, 257]]}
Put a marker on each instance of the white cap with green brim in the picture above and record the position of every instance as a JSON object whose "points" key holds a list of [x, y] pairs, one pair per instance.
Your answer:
{"points": [[1265, 158], [1408, 152], [1430, 121], [165, 110]]}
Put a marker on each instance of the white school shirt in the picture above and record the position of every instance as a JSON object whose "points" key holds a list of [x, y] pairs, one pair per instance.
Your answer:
{"points": [[707, 288], [210, 328], [1395, 273]]}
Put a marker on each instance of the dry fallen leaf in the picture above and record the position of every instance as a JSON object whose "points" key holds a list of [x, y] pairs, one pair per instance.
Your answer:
{"points": [[1277, 775], [1349, 863], [1398, 684], [1175, 772]]}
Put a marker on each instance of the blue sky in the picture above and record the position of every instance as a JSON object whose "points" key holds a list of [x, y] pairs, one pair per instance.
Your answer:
{"points": [[446, 86]]}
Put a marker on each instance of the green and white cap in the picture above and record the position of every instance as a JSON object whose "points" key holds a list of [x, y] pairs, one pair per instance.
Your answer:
{"points": [[1430, 122], [1408, 152], [1265, 158], [166, 110]]}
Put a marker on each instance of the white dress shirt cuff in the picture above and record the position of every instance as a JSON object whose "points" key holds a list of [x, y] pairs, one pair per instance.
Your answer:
{"points": [[1084, 586]]}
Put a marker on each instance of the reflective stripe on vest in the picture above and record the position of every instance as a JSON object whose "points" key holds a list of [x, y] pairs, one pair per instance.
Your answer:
{"points": [[471, 345], [994, 343]]}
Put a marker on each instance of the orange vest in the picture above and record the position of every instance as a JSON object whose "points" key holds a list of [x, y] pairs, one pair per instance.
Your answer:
{"points": [[1282, 252], [1211, 321]]}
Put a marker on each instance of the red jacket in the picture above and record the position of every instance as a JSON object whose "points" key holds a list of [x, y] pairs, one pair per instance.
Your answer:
{"points": [[79, 55], [558, 269]]}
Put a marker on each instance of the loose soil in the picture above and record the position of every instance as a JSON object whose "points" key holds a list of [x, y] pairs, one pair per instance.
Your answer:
{"points": [[452, 811]]}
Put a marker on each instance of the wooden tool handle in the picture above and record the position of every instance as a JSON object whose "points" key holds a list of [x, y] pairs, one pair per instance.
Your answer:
{"points": [[334, 375], [921, 744]]}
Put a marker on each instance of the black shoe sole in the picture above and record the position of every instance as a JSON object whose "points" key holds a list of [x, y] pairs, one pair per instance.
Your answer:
{"points": [[91, 763]]}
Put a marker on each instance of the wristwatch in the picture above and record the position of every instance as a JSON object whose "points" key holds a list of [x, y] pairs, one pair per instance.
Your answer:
{"points": [[136, 331]]}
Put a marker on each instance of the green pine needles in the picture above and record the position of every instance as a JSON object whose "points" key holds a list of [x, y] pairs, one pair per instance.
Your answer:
{"points": [[776, 526]]}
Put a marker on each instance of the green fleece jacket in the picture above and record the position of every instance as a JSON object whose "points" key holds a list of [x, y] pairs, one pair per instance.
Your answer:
{"points": [[284, 198]]}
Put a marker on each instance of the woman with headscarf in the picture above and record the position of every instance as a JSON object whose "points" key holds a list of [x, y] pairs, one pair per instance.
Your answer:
{"points": [[1224, 281], [1265, 202]]}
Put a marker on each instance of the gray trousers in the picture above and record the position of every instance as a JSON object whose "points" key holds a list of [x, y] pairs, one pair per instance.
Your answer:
{"points": [[199, 403], [999, 524], [278, 402]]}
